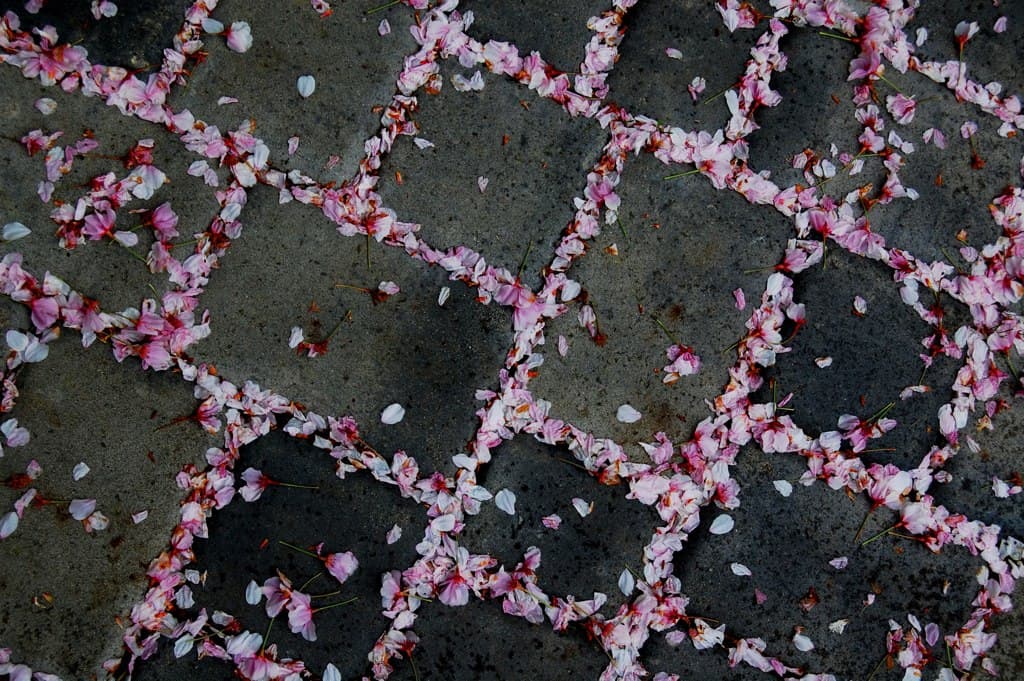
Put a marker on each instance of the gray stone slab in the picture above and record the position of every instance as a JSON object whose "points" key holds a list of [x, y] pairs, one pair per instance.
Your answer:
{"points": [[353, 515], [407, 349], [646, 81], [669, 267], [970, 491], [80, 405], [354, 67], [99, 269], [874, 358], [557, 31], [816, 108], [134, 38], [787, 544], [478, 641], [586, 554], [534, 156]]}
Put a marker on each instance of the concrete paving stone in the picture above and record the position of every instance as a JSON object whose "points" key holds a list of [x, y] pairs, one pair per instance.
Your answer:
{"points": [[353, 514], [534, 156], [476, 642], [407, 349], [682, 250], [647, 81], [355, 70], [134, 38], [558, 31], [585, 555], [954, 196], [671, 268], [80, 405], [988, 54], [1007, 655], [787, 544], [816, 108], [874, 358], [99, 269], [970, 491]]}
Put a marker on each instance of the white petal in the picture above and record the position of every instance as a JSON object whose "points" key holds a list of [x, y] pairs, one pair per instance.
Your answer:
{"points": [[722, 524], [8, 524], [392, 414], [81, 508], [442, 297], [464, 461], [253, 593], [802, 643], [823, 362], [445, 523], [46, 106], [839, 626], [482, 182], [383, 28], [839, 563], [306, 85], [331, 673], [183, 645], [80, 470], [582, 507], [626, 582], [506, 501], [16, 340], [15, 230], [740, 570], [212, 26], [139, 517], [422, 143], [784, 487], [627, 414], [394, 534]]}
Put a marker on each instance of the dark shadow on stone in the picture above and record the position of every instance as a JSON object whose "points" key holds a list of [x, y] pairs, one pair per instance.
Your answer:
{"points": [[134, 38], [816, 107], [787, 544], [353, 514], [407, 349], [970, 491], [585, 555], [683, 247], [874, 358], [557, 30]]}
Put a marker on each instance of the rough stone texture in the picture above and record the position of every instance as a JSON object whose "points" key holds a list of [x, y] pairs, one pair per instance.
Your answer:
{"points": [[100, 269], [525, 147], [346, 515], [682, 250], [134, 38], [354, 67], [444, 653], [545, 479], [557, 30], [667, 268], [647, 81], [787, 545], [107, 416], [888, 342], [428, 358]]}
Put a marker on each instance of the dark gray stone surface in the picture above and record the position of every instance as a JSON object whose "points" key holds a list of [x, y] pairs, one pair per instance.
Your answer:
{"points": [[682, 248]]}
